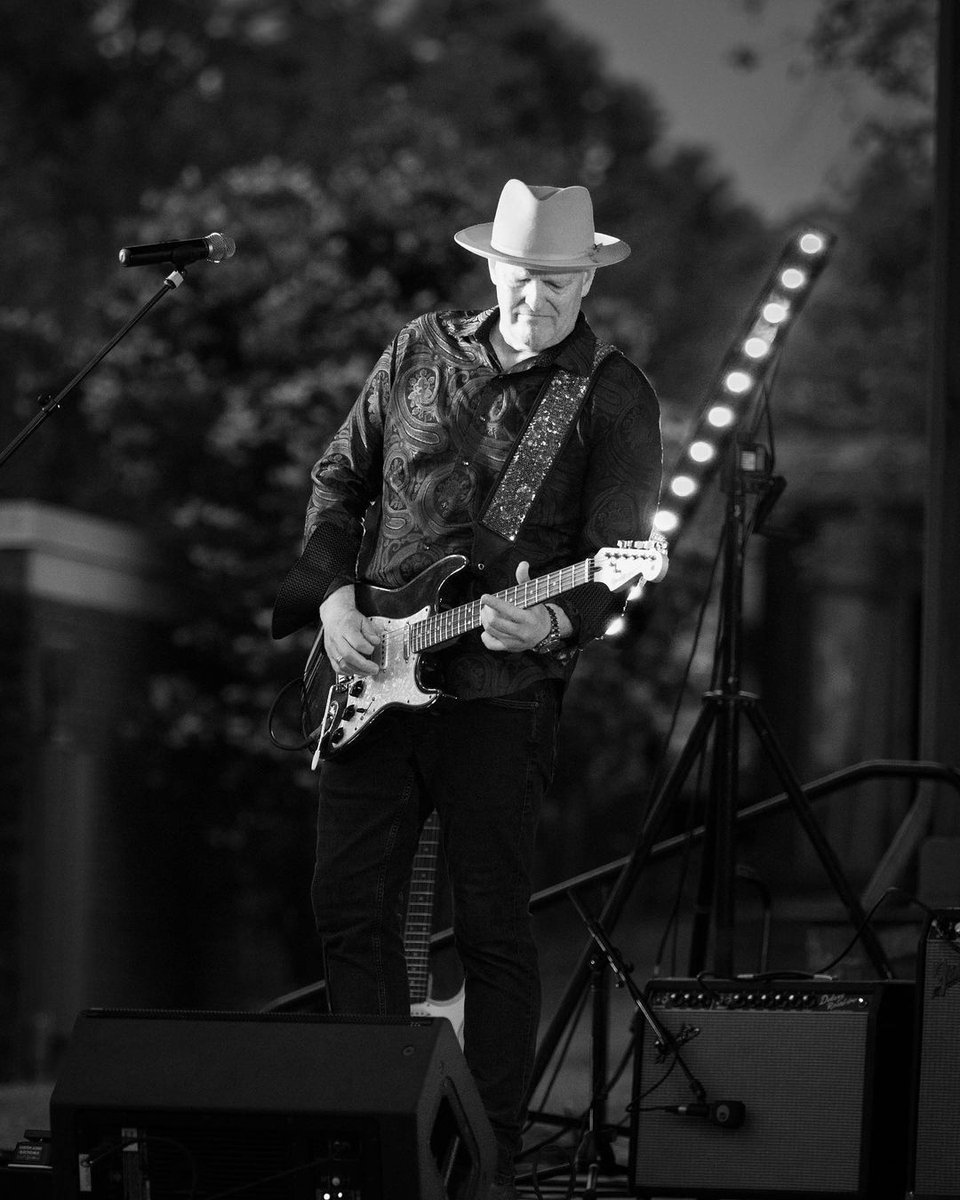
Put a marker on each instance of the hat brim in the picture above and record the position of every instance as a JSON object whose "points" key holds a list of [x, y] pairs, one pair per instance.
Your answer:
{"points": [[608, 250]]}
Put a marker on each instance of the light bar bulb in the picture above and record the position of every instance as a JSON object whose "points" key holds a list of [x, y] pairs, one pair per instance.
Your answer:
{"points": [[793, 278], [756, 347], [775, 311], [616, 626], [666, 521], [683, 486], [702, 452], [720, 416], [812, 242], [738, 382]]}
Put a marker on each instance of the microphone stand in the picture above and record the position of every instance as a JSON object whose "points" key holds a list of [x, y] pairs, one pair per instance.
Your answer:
{"points": [[172, 281], [598, 1148]]}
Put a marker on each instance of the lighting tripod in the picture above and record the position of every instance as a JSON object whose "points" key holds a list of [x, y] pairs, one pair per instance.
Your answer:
{"points": [[722, 712]]}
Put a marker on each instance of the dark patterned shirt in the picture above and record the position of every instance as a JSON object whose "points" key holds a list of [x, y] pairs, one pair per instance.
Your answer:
{"points": [[404, 481]]}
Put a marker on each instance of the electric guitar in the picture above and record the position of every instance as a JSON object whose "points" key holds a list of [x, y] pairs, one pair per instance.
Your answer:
{"points": [[338, 707], [418, 929]]}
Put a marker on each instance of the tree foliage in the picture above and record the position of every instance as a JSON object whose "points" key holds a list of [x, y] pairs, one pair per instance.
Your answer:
{"points": [[854, 389], [891, 42]]}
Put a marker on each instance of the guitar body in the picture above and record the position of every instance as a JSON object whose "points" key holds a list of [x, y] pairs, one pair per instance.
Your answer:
{"points": [[339, 707], [452, 1009]]}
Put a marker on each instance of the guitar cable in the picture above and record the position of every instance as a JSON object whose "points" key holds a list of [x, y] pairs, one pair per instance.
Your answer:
{"points": [[303, 745]]}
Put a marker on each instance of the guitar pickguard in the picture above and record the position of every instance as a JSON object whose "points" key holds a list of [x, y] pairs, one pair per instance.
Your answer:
{"points": [[355, 700]]}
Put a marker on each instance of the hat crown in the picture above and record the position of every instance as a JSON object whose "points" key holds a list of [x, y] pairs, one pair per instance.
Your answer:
{"points": [[549, 224], [544, 229]]}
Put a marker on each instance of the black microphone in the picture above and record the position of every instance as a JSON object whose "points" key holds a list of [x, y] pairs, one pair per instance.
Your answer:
{"points": [[727, 1113], [215, 247]]}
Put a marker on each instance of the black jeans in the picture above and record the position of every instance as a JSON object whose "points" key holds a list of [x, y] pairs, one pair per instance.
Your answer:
{"points": [[484, 765]]}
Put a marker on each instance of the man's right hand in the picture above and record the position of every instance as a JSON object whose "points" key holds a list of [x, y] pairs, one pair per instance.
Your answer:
{"points": [[351, 640]]}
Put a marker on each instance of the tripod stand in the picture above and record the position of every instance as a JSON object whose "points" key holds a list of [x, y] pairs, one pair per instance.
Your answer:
{"points": [[722, 712]]}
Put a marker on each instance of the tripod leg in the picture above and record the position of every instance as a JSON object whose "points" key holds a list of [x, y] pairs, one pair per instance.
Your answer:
{"points": [[714, 901], [702, 920], [596, 1153], [727, 773], [825, 852]]}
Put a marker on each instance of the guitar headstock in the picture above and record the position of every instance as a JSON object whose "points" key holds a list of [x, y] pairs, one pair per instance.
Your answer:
{"points": [[630, 560]]}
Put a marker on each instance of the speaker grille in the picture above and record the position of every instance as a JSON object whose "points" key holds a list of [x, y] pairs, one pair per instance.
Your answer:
{"points": [[936, 1172], [801, 1058]]}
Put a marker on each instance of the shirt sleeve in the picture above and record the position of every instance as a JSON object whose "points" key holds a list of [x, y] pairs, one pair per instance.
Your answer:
{"points": [[347, 476], [621, 425], [346, 479], [344, 482]]}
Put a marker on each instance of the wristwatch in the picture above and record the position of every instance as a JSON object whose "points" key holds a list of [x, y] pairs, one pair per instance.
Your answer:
{"points": [[553, 638]]}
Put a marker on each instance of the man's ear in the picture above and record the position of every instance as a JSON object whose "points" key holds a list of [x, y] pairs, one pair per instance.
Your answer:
{"points": [[588, 280], [491, 267]]}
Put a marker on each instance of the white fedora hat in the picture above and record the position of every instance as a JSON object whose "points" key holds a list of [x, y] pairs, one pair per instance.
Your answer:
{"points": [[546, 228]]}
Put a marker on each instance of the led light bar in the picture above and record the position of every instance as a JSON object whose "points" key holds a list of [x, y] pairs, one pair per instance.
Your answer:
{"points": [[742, 374]]}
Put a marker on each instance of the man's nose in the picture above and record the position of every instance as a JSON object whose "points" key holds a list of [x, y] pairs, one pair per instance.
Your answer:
{"points": [[533, 293]]}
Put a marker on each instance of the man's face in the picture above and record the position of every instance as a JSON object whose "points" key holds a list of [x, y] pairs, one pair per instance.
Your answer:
{"points": [[537, 308]]}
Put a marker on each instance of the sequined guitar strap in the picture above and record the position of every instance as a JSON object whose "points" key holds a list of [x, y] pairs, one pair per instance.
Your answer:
{"points": [[532, 457]]}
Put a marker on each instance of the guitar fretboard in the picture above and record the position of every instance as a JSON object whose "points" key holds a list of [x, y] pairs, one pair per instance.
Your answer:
{"points": [[418, 926], [444, 626]]}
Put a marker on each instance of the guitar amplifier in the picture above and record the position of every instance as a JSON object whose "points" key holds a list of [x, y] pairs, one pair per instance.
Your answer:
{"points": [[822, 1070], [935, 1126]]}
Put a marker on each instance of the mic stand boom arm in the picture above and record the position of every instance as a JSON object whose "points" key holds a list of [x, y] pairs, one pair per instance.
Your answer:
{"points": [[173, 280], [665, 1039]]}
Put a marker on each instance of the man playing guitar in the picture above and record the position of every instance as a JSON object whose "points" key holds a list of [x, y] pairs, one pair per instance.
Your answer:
{"points": [[454, 546]]}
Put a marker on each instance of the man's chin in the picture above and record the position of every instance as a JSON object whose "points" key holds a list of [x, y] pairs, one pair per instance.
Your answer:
{"points": [[533, 335]]}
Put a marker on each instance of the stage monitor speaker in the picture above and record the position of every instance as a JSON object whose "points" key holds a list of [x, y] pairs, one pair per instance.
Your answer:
{"points": [[279, 1106], [935, 1123], [821, 1068]]}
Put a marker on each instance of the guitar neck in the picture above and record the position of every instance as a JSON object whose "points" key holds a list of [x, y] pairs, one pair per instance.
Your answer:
{"points": [[454, 622], [418, 926]]}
